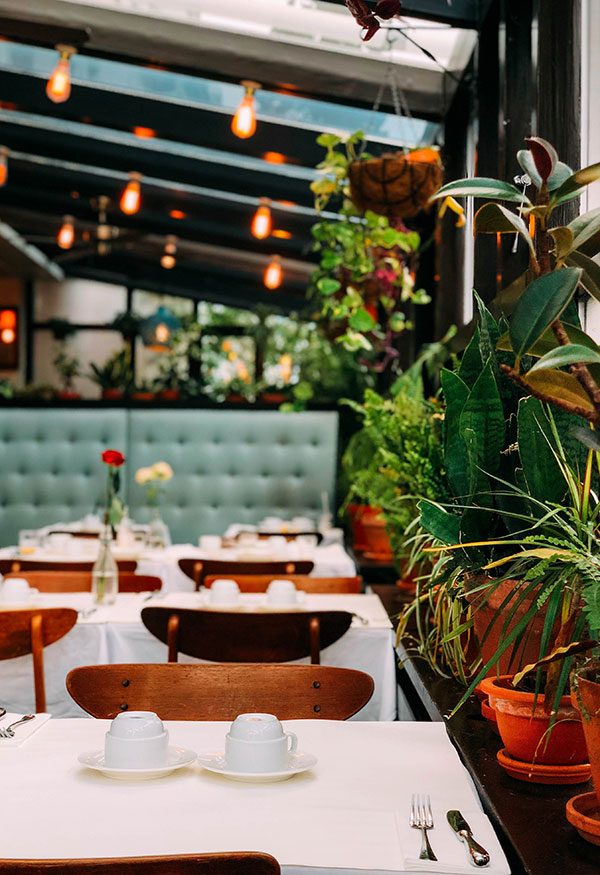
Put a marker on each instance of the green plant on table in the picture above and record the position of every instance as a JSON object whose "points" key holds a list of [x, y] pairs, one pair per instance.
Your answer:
{"points": [[364, 284]]}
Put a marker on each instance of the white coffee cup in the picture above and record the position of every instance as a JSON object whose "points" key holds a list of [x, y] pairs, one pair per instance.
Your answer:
{"points": [[302, 524], [136, 740], [257, 743], [58, 542], [210, 543], [16, 591], [282, 592], [224, 592]]}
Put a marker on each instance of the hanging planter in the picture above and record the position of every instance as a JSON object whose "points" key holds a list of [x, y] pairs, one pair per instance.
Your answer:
{"points": [[397, 184]]}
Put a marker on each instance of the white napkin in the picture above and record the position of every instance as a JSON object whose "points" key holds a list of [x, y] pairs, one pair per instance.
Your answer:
{"points": [[22, 732], [453, 856]]}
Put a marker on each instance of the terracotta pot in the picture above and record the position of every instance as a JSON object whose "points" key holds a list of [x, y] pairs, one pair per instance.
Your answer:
{"points": [[113, 394], [488, 625], [273, 397], [68, 396], [587, 700], [169, 394], [524, 729], [396, 184], [235, 398], [143, 396], [368, 530]]}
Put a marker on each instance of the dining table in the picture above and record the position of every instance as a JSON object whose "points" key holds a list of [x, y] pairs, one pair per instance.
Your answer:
{"points": [[347, 814], [115, 634]]}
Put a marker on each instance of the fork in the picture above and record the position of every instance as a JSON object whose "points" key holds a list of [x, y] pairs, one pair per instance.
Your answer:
{"points": [[8, 731], [421, 817]]}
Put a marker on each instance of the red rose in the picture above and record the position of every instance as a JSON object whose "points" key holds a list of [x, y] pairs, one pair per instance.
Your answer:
{"points": [[113, 458]]}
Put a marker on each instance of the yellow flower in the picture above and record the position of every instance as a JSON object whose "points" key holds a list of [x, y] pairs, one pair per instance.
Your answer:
{"points": [[162, 471], [143, 475]]}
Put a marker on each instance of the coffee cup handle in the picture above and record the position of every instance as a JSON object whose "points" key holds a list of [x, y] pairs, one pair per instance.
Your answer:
{"points": [[294, 742]]}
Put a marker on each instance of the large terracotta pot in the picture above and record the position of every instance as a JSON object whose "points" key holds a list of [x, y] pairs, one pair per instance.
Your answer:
{"points": [[169, 394], [396, 184], [369, 534], [488, 625], [113, 394], [524, 728], [68, 396], [587, 700]]}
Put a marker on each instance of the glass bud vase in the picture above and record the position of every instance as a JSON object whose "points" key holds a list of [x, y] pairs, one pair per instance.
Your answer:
{"points": [[158, 535], [105, 573]]}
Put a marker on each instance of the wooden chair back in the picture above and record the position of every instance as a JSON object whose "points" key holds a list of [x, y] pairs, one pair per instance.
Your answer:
{"points": [[29, 631], [13, 565], [289, 536], [85, 535], [81, 581], [198, 569], [221, 692], [327, 585], [229, 636], [235, 863]]}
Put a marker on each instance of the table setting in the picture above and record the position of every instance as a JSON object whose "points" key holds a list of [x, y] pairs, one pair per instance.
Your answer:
{"points": [[321, 796]]}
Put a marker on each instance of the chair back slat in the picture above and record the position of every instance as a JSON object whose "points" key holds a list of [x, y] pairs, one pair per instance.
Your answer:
{"points": [[321, 585], [229, 636], [234, 863], [221, 692], [199, 569], [81, 581], [13, 565]]}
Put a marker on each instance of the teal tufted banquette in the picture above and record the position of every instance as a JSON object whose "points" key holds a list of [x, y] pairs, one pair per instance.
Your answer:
{"points": [[230, 466]]}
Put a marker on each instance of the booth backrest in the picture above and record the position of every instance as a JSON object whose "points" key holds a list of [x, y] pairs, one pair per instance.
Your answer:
{"points": [[230, 466]]}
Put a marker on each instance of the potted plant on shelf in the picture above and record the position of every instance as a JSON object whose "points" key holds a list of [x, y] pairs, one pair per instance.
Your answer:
{"points": [[115, 376], [365, 282], [68, 367], [143, 391], [239, 391]]}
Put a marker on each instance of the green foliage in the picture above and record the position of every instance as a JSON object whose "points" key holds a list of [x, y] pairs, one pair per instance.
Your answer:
{"points": [[115, 373]]}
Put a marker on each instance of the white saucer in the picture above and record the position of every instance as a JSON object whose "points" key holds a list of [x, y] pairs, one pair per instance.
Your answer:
{"points": [[298, 762], [177, 758]]}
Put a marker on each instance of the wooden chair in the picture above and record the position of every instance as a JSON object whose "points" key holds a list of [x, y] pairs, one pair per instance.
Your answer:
{"points": [[220, 692], [81, 581], [29, 631], [198, 569], [9, 565], [235, 863], [260, 582], [229, 636], [289, 536], [86, 535]]}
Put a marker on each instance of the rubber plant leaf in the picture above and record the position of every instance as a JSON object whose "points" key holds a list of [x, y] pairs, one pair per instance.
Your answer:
{"points": [[590, 278], [563, 356], [547, 341], [539, 305], [572, 185], [544, 156], [559, 385], [585, 228], [496, 219], [481, 186]]}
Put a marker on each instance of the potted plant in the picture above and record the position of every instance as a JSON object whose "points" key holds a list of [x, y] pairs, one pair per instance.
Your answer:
{"points": [[127, 324], [364, 284], [239, 391], [114, 376], [68, 367], [143, 391]]}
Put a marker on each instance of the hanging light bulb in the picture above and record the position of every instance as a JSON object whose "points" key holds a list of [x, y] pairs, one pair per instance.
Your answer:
{"points": [[131, 198], [58, 88], [66, 234], [168, 259], [3, 166], [273, 275], [262, 221], [243, 123]]}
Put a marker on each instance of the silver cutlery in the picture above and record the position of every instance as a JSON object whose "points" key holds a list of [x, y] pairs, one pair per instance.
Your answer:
{"points": [[2, 713], [363, 620], [477, 854], [87, 612], [8, 731], [421, 817]]}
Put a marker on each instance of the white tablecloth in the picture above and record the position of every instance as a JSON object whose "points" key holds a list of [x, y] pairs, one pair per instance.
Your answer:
{"points": [[330, 560], [346, 815], [115, 634]]}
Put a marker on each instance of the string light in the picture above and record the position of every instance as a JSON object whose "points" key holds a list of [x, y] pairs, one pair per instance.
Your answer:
{"points": [[273, 275], [3, 166], [243, 123], [131, 198], [168, 259], [66, 234], [58, 88], [262, 222]]}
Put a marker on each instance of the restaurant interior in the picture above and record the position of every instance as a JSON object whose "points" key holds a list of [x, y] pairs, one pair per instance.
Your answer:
{"points": [[300, 479]]}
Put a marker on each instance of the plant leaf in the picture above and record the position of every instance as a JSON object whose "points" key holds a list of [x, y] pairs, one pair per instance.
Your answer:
{"points": [[547, 341], [575, 182], [559, 385], [496, 219], [481, 187], [588, 438], [563, 239], [361, 321], [539, 305], [540, 468], [563, 356], [590, 278], [444, 526], [328, 286], [544, 156], [456, 393], [483, 414], [585, 227]]}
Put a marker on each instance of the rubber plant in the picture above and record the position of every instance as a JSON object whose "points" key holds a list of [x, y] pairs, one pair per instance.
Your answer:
{"points": [[364, 284]]}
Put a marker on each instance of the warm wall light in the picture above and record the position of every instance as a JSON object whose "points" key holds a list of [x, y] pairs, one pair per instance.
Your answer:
{"points": [[144, 133], [66, 234], [3, 166], [243, 123], [273, 275], [178, 214], [168, 259], [281, 234], [131, 198], [58, 88], [9, 346], [262, 221], [274, 158]]}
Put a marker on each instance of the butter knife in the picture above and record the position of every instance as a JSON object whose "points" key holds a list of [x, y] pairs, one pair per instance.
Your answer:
{"points": [[478, 855]]}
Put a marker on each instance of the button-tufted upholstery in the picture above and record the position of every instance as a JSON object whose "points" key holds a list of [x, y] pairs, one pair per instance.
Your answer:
{"points": [[230, 466]]}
